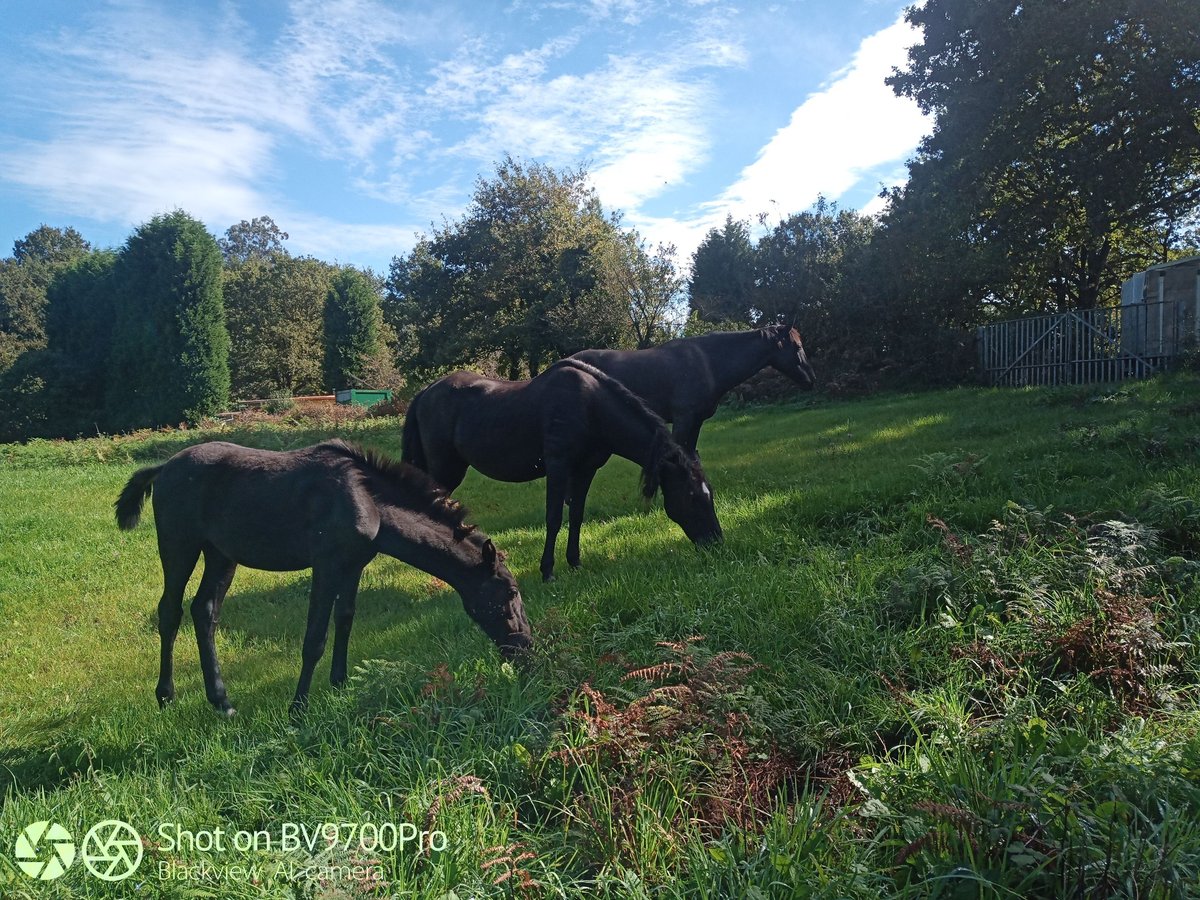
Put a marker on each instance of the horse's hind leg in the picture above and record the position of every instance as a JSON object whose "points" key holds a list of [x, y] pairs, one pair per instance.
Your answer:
{"points": [[206, 614], [177, 565], [556, 493], [581, 482]]}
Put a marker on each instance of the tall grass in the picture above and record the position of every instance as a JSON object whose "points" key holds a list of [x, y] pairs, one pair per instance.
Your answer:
{"points": [[946, 650]]}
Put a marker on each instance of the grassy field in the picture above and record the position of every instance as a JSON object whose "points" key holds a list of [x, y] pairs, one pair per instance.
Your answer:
{"points": [[946, 650]]}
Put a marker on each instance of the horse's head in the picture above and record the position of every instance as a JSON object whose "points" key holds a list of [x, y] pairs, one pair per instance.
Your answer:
{"points": [[497, 606], [687, 495], [788, 356]]}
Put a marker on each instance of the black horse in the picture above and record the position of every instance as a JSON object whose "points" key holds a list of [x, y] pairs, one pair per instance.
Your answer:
{"points": [[331, 507], [562, 425], [684, 380]]}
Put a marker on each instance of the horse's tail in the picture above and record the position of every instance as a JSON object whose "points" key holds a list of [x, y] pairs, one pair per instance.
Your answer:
{"points": [[137, 489], [412, 451]]}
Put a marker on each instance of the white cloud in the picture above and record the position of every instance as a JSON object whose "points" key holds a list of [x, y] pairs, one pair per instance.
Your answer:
{"points": [[149, 108], [836, 136]]}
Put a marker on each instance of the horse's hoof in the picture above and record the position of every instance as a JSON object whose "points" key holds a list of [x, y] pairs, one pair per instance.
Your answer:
{"points": [[225, 709], [546, 579], [163, 701]]}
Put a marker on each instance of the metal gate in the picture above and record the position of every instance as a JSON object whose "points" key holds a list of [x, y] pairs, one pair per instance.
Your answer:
{"points": [[1089, 345]]}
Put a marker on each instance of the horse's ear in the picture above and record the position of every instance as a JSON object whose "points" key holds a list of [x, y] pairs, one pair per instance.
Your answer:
{"points": [[491, 555]]}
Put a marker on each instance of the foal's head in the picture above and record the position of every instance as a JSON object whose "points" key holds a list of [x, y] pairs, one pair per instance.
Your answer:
{"points": [[687, 495], [788, 356], [496, 605]]}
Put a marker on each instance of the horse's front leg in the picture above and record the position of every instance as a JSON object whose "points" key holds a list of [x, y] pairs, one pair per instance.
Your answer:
{"points": [[581, 482], [343, 618], [206, 615], [556, 493], [686, 432], [326, 581]]}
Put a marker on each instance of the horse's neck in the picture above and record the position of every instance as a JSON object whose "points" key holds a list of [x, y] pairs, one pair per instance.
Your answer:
{"points": [[628, 431], [425, 544], [734, 359]]}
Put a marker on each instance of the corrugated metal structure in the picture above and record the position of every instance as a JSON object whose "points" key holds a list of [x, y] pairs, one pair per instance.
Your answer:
{"points": [[1157, 320]]}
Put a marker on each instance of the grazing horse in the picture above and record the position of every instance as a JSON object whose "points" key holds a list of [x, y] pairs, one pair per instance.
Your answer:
{"points": [[684, 380], [562, 425], [331, 507]]}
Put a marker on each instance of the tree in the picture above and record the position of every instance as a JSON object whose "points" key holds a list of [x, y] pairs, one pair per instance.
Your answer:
{"points": [[24, 278], [1070, 129], [274, 308], [804, 271], [524, 277], [79, 326], [259, 239], [353, 329], [653, 287], [170, 354], [723, 275]]}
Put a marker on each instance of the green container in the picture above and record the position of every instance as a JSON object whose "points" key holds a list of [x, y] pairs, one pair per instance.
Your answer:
{"points": [[362, 398]]}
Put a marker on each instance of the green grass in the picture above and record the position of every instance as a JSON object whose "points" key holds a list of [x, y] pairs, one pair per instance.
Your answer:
{"points": [[1000, 700]]}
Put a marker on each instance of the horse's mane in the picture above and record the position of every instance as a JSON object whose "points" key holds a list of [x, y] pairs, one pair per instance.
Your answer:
{"points": [[415, 489], [664, 447]]}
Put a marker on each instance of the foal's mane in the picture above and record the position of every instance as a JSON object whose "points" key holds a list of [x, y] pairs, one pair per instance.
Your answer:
{"points": [[412, 487], [663, 449]]}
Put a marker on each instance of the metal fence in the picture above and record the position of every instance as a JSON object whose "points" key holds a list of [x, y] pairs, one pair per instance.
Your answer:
{"points": [[1106, 344]]}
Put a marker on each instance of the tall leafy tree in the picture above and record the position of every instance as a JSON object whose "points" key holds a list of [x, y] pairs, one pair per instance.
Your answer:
{"points": [[274, 307], [654, 289], [353, 328], [722, 282], [58, 390], [1069, 128], [259, 238], [79, 326], [170, 354], [805, 269], [524, 277], [24, 279]]}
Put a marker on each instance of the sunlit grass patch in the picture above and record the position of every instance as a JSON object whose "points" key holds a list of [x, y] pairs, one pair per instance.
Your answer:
{"points": [[966, 618]]}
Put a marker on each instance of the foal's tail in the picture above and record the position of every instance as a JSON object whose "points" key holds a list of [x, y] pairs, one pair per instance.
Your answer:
{"points": [[134, 494], [411, 449]]}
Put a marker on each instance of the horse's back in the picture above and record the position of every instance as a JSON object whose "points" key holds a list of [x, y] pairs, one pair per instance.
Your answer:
{"points": [[496, 426], [258, 507], [659, 375]]}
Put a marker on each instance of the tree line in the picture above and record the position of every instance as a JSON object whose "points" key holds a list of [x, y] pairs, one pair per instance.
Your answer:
{"points": [[161, 331], [1064, 156]]}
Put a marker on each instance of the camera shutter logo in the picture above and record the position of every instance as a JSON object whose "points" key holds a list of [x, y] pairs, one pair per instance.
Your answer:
{"points": [[45, 850], [112, 850]]}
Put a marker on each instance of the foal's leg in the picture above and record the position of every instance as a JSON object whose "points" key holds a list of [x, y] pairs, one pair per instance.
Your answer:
{"points": [[581, 482], [343, 618], [557, 481], [328, 580], [177, 564], [206, 614], [686, 432]]}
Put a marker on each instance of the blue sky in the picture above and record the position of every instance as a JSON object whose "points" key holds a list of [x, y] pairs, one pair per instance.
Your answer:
{"points": [[355, 124]]}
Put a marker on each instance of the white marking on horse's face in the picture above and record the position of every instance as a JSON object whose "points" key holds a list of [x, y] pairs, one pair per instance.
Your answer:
{"points": [[705, 491]]}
